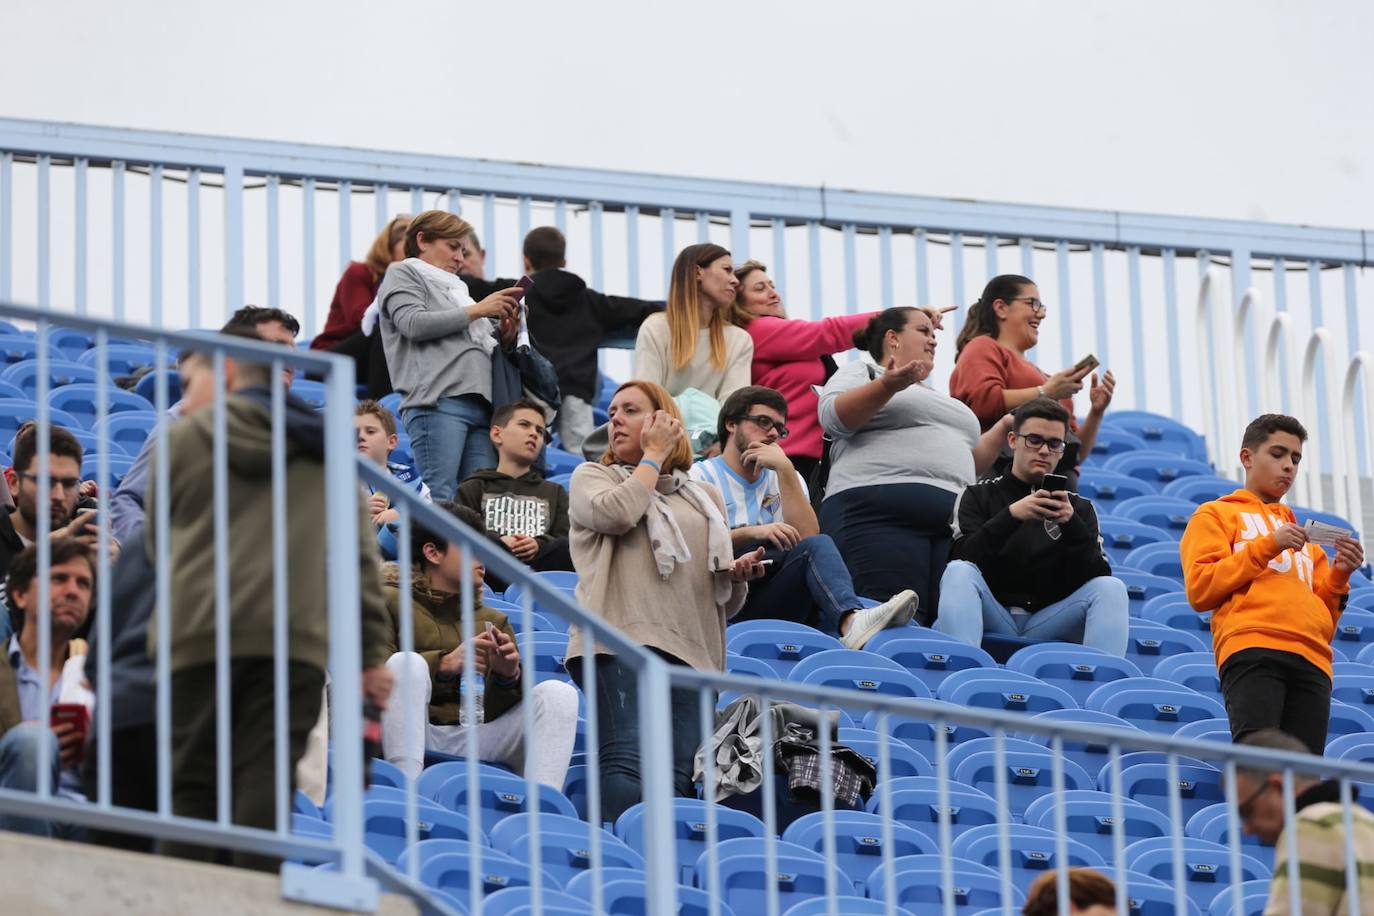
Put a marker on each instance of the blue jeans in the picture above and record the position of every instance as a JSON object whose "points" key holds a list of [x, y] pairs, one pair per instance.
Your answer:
{"points": [[23, 749], [813, 584], [1097, 614], [450, 441]]}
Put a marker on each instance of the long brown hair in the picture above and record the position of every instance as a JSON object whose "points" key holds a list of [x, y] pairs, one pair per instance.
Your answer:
{"points": [[680, 458], [684, 320], [981, 319], [379, 255]]}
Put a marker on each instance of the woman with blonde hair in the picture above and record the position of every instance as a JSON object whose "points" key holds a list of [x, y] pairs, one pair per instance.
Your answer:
{"points": [[693, 344], [654, 559], [439, 344]]}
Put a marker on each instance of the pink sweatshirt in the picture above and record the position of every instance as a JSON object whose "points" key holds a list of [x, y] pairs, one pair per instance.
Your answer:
{"points": [[787, 357]]}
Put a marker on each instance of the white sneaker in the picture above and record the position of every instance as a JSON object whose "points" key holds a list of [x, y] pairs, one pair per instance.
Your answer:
{"points": [[896, 611]]}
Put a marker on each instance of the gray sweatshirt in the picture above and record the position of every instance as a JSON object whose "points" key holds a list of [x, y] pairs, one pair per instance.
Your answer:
{"points": [[425, 337]]}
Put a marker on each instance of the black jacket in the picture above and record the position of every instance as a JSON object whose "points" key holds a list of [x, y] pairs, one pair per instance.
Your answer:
{"points": [[1022, 564], [568, 322]]}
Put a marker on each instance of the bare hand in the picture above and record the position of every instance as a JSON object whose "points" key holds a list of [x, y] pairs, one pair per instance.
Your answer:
{"points": [[81, 528], [1290, 537], [1040, 504], [1065, 511], [69, 743], [899, 379], [89, 489], [377, 503], [937, 316], [1349, 555], [525, 548], [780, 534], [500, 306], [500, 649], [377, 684], [508, 328], [1065, 384], [451, 664], [660, 433], [1100, 394], [748, 567], [766, 454]]}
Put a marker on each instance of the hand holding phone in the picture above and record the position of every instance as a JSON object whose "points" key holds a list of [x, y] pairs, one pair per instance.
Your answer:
{"points": [[1055, 483], [70, 721]]}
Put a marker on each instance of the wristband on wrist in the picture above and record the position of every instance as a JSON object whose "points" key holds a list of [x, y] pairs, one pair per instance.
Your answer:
{"points": [[658, 468], [1041, 389]]}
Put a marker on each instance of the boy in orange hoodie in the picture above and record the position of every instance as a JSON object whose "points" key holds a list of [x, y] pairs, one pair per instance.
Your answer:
{"points": [[1276, 599]]}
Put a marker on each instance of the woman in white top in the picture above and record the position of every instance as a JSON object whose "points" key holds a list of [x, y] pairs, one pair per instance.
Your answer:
{"points": [[693, 344], [901, 453]]}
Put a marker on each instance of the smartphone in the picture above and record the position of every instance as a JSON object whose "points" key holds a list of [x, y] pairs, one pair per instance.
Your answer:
{"points": [[73, 714], [1087, 362], [765, 562], [522, 286], [1054, 483]]}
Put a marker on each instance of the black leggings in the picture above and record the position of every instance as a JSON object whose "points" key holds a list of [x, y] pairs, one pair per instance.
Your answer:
{"points": [[1266, 688], [893, 537]]}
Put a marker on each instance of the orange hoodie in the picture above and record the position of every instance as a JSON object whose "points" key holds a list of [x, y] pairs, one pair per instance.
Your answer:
{"points": [[1264, 598]]}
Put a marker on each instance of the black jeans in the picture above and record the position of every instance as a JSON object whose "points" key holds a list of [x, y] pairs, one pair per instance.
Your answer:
{"points": [[617, 710], [1266, 688], [251, 735], [893, 537], [133, 781], [809, 585]]}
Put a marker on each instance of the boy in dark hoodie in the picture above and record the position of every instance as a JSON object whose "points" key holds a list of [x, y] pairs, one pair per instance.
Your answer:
{"points": [[519, 507]]}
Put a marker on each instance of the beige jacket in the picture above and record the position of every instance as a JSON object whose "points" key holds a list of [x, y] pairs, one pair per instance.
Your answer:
{"points": [[654, 360], [618, 580]]}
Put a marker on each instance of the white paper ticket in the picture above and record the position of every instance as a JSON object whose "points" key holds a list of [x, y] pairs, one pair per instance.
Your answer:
{"points": [[1324, 534]]}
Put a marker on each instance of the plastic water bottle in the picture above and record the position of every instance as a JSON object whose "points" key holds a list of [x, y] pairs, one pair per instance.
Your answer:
{"points": [[474, 685]]}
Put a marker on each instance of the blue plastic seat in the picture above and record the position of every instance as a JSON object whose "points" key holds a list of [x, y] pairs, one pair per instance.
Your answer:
{"points": [[1212, 824], [384, 825], [15, 348], [10, 390], [1029, 774], [755, 626], [849, 906], [1077, 670], [1173, 610], [118, 466], [1122, 535], [626, 897], [1160, 433], [839, 658], [1158, 468], [1354, 686], [920, 887], [70, 341], [557, 461], [1218, 729], [1354, 630], [1195, 670], [1089, 819], [130, 429], [580, 885], [1160, 559], [1031, 851], [444, 865], [146, 387], [519, 901], [1149, 896], [801, 873], [991, 688], [515, 594], [14, 413], [306, 825], [550, 655], [868, 678], [1150, 642], [1148, 783], [433, 777], [879, 640], [81, 400], [92, 444], [500, 796], [1200, 489], [916, 800], [310, 391], [918, 733], [689, 829], [1362, 598], [858, 841], [932, 659], [780, 648], [750, 667], [564, 845], [1112, 442], [1142, 586], [1089, 754], [1254, 900], [1166, 513], [1348, 720], [1154, 705], [1206, 866], [1107, 488], [902, 759], [124, 359], [61, 373]]}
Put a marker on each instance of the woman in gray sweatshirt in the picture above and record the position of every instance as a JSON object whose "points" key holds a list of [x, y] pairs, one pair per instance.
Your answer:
{"points": [[439, 344]]}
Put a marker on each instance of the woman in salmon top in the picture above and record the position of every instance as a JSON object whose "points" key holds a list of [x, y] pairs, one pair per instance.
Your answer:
{"points": [[992, 375]]}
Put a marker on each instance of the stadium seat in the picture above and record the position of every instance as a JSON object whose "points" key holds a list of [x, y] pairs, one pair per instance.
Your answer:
{"points": [[499, 796], [916, 801], [932, 659], [1362, 598], [1160, 559], [1355, 630], [9, 390], [310, 391], [1158, 468], [910, 631], [1090, 755], [1089, 819], [867, 678], [24, 376], [81, 400], [93, 444], [15, 348], [444, 865], [754, 626], [130, 429], [849, 906], [780, 648], [1107, 488], [1195, 670], [557, 461], [1142, 586], [1212, 824], [1150, 642], [920, 887], [384, 825], [1353, 684], [991, 688], [1206, 866], [515, 595], [625, 897], [1077, 670], [1150, 896], [902, 759], [564, 846], [1173, 610], [1200, 489], [1161, 434], [1148, 783], [1029, 774], [801, 874], [858, 841], [1122, 535], [518, 901], [1254, 899], [689, 829], [580, 885], [434, 775], [1153, 704], [835, 658], [1031, 851], [1348, 720], [71, 342], [146, 387], [919, 733], [124, 359], [305, 825], [1163, 512], [118, 466], [550, 653], [750, 667], [1112, 442]]}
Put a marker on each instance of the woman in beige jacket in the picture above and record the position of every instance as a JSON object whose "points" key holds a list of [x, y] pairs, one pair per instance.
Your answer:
{"points": [[653, 558]]}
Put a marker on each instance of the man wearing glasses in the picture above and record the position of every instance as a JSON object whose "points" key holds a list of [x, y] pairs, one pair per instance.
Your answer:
{"points": [[766, 505], [1321, 832], [1027, 558]]}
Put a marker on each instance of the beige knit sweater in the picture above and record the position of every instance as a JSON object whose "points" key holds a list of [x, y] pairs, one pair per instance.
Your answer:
{"points": [[618, 580], [654, 360]]}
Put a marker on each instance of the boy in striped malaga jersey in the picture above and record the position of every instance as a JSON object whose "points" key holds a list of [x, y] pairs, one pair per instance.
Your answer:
{"points": [[766, 506]]}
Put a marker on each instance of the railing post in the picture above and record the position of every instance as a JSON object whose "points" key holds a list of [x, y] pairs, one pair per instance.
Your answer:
{"points": [[655, 722], [233, 238]]}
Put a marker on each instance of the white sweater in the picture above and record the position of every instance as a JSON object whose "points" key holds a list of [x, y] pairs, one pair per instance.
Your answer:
{"points": [[654, 360]]}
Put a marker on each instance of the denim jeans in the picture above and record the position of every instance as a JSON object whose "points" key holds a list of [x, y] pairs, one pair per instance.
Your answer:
{"points": [[813, 586], [1097, 614], [23, 749], [450, 441], [617, 710]]}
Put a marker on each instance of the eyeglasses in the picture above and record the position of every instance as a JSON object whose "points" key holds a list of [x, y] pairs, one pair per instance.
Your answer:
{"points": [[766, 423], [67, 483], [1037, 442], [1243, 809], [1036, 304]]}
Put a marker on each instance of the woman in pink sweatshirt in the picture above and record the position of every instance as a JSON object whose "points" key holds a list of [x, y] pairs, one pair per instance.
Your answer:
{"points": [[791, 355]]}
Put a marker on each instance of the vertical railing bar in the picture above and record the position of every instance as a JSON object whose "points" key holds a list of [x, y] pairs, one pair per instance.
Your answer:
{"points": [[1233, 837], [1280, 270], [944, 830], [999, 763], [667, 220], [598, 248], [1118, 828], [632, 250], [193, 248], [417, 204], [162, 573], [1240, 284], [1317, 320], [885, 812], [527, 684], [827, 814], [560, 215], [489, 226], [273, 242], [956, 273], [1100, 302], [813, 243], [523, 217], [592, 753], [851, 268], [1137, 327], [405, 606], [455, 203], [703, 226], [117, 241], [1168, 258], [6, 225], [1176, 817], [1352, 337], [44, 240], [1027, 247], [655, 688], [155, 245], [80, 179], [741, 223], [380, 205], [102, 595], [1061, 827], [472, 753], [42, 457], [308, 252], [990, 244], [220, 474], [1352, 865], [885, 264], [779, 264], [281, 776], [345, 224], [233, 238], [770, 810], [1064, 293], [708, 792], [1290, 814], [921, 245]]}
